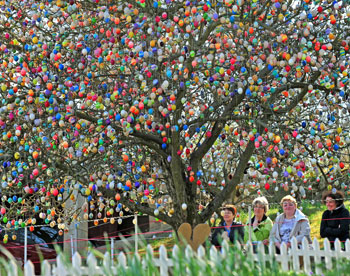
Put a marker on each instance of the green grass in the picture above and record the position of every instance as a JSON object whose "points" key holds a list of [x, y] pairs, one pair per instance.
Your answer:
{"points": [[167, 242], [314, 213]]}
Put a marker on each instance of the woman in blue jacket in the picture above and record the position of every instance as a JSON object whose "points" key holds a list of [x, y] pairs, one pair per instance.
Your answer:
{"points": [[228, 229]]}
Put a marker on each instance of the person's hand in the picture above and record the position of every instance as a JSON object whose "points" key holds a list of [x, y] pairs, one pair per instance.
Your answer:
{"points": [[278, 245], [224, 236], [265, 242], [288, 244]]}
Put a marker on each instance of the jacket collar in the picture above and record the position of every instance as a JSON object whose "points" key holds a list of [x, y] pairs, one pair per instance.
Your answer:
{"points": [[298, 215], [223, 223], [338, 209], [263, 219]]}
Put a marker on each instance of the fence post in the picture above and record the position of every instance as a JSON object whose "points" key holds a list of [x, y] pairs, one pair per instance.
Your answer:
{"points": [[136, 235], [76, 237], [25, 244], [72, 245], [112, 250], [249, 223]]}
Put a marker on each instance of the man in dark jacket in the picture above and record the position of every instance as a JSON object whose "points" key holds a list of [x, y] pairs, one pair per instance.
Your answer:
{"points": [[228, 229], [336, 219]]}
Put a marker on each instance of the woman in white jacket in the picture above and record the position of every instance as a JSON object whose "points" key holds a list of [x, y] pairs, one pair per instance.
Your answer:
{"points": [[291, 223]]}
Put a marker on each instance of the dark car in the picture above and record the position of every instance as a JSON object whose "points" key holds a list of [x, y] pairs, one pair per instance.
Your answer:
{"points": [[40, 245], [96, 233]]}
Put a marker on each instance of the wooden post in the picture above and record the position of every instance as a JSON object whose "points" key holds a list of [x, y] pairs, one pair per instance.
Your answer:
{"points": [[25, 245], [112, 250], [249, 223], [72, 245], [136, 235], [76, 238], [80, 233]]}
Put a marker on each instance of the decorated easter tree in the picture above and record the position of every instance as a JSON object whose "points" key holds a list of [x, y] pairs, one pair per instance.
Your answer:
{"points": [[169, 108]]}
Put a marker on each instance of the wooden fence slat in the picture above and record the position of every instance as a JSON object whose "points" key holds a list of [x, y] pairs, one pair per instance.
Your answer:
{"points": [[150, 253], [284, 257], [61, 268], [213, 255], [295, 254], [337, 246], [261, 255], [347, 249], [176, 258], [163, 261], [201, 252], [337, 251], [176, 250], [271, 252], [225, 248], [306, 255], [107, 259], [250, 248], [188, 252], [13, 268], [327, 254], [149, 258], [76, 263], [317, 256], [107, 263], [46, 268], [122, 259], [92, 264], [29, 269]]}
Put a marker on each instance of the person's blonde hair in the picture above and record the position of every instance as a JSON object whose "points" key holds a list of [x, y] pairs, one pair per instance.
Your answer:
{"points": [[289, 198], [262, 201]]}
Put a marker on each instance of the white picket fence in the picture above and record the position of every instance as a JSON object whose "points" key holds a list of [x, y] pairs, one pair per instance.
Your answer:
{"points": [[289, 259]]}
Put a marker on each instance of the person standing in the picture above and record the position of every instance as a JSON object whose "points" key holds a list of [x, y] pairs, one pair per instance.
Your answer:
{"points": [[228, 229], [336, 219]]}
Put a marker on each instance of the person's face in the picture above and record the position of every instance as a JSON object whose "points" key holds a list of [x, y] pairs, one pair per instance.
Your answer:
{"points": [[259, 210], [228, 215], [288, 207], [330, 203]]}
